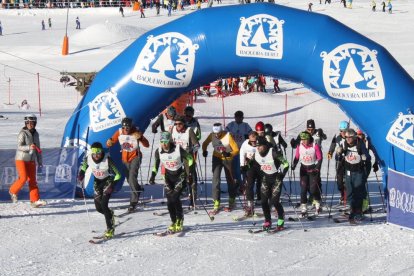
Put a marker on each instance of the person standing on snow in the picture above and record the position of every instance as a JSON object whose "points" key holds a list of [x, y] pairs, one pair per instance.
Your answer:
{"points": [[317, 135], [121, 10], [192, 122], [185, 138], [309, 154], [355, 157], [49, 21], [105, 175], [275, 138], [165, 120], [1, 29], [172, 157], [338, 142], [129, 138], [43, 25], [224, 150], [272, 167], [77, 23], [247, 151], [240, 132], [373, 5], [27, 153]]}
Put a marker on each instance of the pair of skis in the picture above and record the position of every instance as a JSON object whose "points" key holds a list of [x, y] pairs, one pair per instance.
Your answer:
{"points": [[171, 233], [269, 231], [103, 238]]}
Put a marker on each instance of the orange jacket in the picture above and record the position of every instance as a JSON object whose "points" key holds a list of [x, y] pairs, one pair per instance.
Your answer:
{"points": [[127, 157]]}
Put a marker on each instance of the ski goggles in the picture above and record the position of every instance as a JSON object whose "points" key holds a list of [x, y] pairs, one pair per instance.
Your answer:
{"points": [[96, 150]]}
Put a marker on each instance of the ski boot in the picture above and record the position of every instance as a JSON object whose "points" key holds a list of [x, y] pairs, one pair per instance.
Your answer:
{"points": [[13, 197], [109, 233], [317, 205], [172, 227], [280, 224], [248, 211], [179, 225], [303, 210], [38, 203], [267, 225], [216, 207], [132, 208], [232, 204]]}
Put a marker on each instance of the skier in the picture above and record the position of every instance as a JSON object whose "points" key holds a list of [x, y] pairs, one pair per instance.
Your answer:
{"points": [[121, 10], [129, 137], [141, 9], [373, 5], [77, 23], [43, 25], [185, 138], [240, 132], [224, 150], [310, 6], [383, 6], [309, 154], [317, 135], [157, 6], [1, 29], [192, 122], [368, 145], [337, 142], [247, 151], [172, 157], [270, 165], [49, 21], [275, 138], [389, 7], [276, 87], [105, 175], [165, 120], [355, 157], [27, 153]]}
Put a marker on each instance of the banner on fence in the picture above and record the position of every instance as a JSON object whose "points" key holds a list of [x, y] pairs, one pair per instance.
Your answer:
{"points": [[57, 179], [401, 198]]}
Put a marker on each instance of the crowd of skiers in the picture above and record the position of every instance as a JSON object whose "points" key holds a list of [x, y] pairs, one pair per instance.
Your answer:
{"points": [[254, 161]]}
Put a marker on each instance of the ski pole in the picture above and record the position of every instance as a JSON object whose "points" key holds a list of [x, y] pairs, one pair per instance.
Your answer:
{"points": [[326, 187], [369, 200], [333, 189], [205, 177], [149, 164], [294, 208], [205, 209], [86, 206], [380, 190]]}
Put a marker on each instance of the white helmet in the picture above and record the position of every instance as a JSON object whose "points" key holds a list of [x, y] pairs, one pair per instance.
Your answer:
{"points": [[30, 118]]}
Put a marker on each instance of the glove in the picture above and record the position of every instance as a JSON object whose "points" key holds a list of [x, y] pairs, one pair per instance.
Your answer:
{"points": [[329, 156], [244, 168], [40, 169], [339, 150], [226, 154], [154, 130], [137, 135], [109, 143], [375, 167], [81, 176], [152, 178], [293, 167], [293, 143], [205, 153]]}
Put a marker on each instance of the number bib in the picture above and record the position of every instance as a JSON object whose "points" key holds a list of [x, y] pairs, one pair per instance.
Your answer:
{"points": [[352, 156], [267, 164], [307, 156], [100, 170], [182, 139], [222, 144], [128, 143], [171, 161]]}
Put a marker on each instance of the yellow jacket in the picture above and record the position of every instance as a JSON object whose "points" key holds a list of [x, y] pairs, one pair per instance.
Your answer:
{"points": [[223, 143]]}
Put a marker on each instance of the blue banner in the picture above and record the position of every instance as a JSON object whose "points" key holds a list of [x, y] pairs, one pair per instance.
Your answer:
{"points": [[401, 198], [57, 178]]}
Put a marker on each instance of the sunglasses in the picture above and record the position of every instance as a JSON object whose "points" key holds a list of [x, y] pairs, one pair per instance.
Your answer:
{"points": [[96, 150], [349, 136], [126, 127]]}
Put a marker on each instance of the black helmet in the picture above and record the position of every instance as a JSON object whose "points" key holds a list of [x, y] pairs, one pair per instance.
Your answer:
{"points": [[239, 113], [126, 122], [268, 128], [261, 141], [189, 109], [310, 123], [96, 145]]}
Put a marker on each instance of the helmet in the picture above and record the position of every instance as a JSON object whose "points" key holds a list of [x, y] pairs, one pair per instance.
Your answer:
{"points": [[126, 122], [238, 114], [96, 145], [359, 132], [304, 135], [261, 141], [310, 123], [260, 126], [97, 152], [179, 119], [171, 111], [343, 125], [268, 128], [30, 118], [217, 127], [189, 109], [165, 137]]}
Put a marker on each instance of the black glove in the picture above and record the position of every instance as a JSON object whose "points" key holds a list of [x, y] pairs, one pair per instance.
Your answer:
{"points": [[293, 143], [205, 153], [154, 130], [244, 168], [152, 178], [81, 176], [226, 154], [375, 167], [321, 134], [293, 167]]}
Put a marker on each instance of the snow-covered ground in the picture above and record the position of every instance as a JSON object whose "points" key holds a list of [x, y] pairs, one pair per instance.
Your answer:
{"points": [[54, 240]]}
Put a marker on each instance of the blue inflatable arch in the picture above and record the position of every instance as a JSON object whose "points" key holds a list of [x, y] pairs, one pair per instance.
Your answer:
{"points": [[332, 59]]}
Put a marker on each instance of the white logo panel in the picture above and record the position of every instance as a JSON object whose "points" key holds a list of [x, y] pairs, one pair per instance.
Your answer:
{"points": [[401, 133], [166, 61], [260, 36], [105, 111], [351, 72]]}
